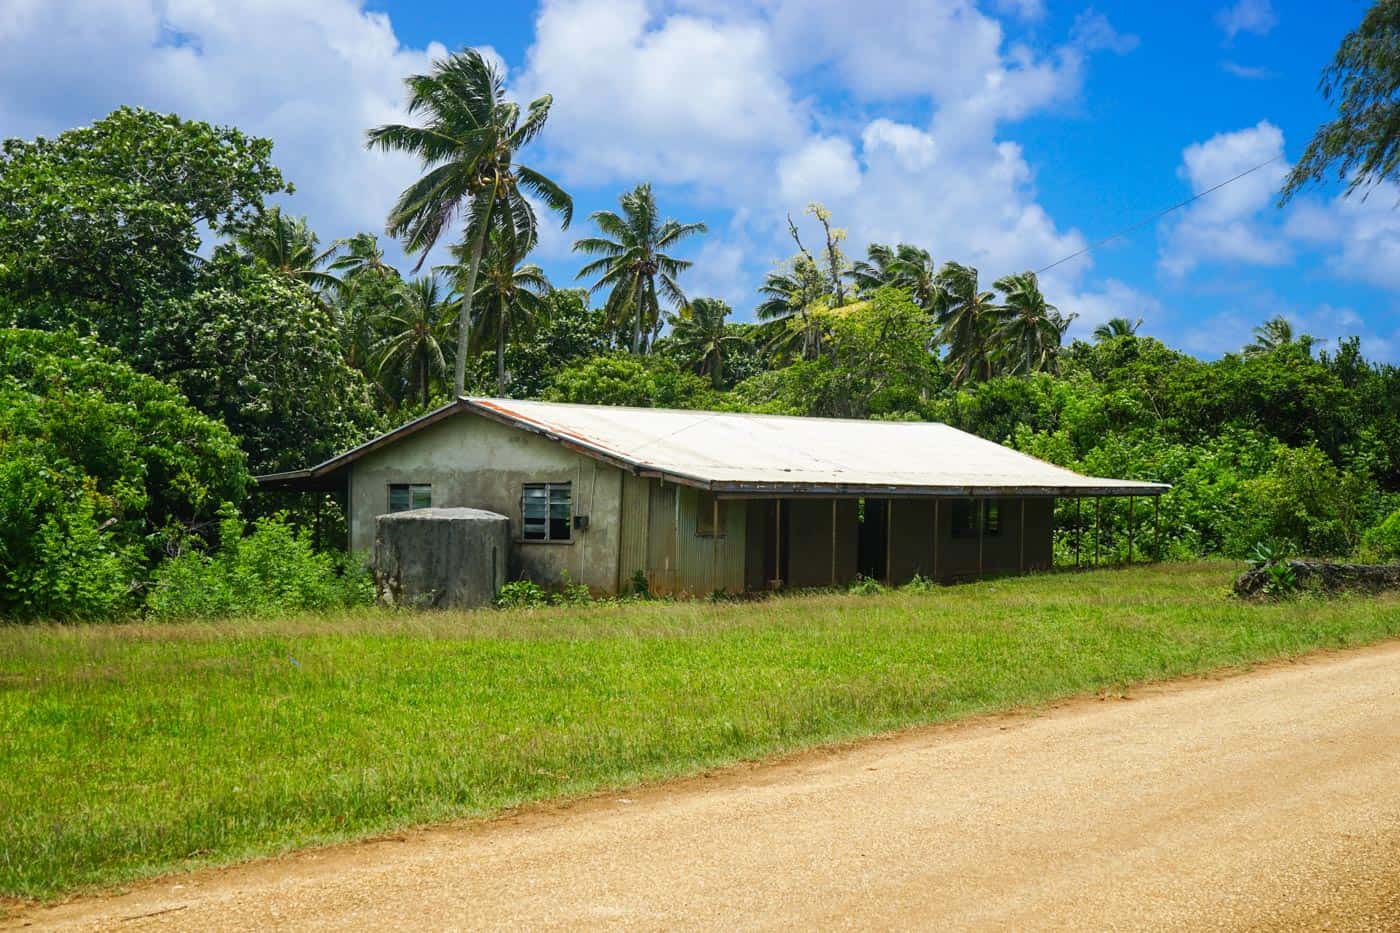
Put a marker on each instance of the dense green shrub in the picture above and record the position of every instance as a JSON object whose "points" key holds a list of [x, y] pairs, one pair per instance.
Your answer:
{"points": [[522, 594], [271, 570], [1382, 540], [101, 469]]}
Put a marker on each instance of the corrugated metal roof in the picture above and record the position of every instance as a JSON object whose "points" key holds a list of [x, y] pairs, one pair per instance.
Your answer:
{"points": [[742, 454]]}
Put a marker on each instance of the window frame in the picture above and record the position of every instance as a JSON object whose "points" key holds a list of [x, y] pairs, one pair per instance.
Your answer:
{"points": [[412, 489], [705, 513], [986, 521], [548, 489]]}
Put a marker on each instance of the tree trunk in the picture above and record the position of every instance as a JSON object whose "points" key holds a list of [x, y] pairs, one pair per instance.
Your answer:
{"points": [[636, 321], [501, 349], [423, 379], [464, 317]]}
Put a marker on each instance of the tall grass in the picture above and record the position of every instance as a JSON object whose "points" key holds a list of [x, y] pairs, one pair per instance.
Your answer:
{"points": [[131, 750]]}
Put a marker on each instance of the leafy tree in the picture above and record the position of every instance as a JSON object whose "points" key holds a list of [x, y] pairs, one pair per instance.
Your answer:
{"points": [[628, 379], [567, 332], [968, 318], [101, 219], [262, 353], [101, 468], [1117, 327], [875, 362], [370, 289], [1362, 144], [632, 260], [510, 293], [702, 337], [1033, 328], [468, 150], [410, 353], [289, 247]]}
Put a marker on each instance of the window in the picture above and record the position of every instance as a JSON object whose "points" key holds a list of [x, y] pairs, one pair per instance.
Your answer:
{"points": [[965, 518], [705, 515], [405, 496], [546, 511]]}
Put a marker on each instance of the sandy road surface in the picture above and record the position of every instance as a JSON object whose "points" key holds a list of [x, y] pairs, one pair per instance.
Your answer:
{"points": [[1267, 800]]}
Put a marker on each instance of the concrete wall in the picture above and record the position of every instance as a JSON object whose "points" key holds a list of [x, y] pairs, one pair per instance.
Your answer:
{"points": [[474, 462]]}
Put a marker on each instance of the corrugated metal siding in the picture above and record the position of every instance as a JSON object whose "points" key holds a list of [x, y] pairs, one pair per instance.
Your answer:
{"points": [[698, 572], [632, 543], [661, 538]]}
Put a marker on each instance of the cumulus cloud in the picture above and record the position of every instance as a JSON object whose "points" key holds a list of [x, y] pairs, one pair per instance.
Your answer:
{"points": [[311, 75], [1362, 235], [680, 99], [1253, 16], [1225, 226]]}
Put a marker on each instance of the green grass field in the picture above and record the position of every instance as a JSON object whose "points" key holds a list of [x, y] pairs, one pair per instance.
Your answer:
{"points": [[132, 750]]}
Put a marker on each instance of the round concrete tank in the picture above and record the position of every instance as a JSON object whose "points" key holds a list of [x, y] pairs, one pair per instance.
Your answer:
{"points": [[440, 558]]}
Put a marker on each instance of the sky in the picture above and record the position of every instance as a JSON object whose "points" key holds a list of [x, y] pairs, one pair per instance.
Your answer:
{"points": [[1007, 134]]}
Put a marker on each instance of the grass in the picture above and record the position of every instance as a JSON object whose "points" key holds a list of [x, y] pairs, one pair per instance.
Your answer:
{"points": [[133, 750]]}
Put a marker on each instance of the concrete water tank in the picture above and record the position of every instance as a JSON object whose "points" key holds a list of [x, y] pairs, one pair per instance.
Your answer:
{"points": [[440, 558]]}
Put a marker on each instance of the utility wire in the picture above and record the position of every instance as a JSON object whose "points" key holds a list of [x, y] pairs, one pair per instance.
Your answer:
{"points": [[1157, 216]]}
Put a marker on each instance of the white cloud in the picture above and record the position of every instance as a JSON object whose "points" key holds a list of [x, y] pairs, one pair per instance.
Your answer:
{"points": [[1092, 31], [1363, 234], [1254, 16], [1113, 298], [1225, 225], [824, 168], [311, 75], [680, 99], [1248, 72], [1232, 329]]}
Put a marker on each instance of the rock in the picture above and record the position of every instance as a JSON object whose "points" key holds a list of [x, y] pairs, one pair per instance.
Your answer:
{"points": [[440, 558], [1325, 576]]}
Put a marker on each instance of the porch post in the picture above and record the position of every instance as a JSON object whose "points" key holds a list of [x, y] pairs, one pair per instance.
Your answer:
{"points": [[833, 541], [981, 506], [1021, 538], [936, 501], [778, 542], [1157, 529], [1098, 527], [889, 541], [1132, 525], [1078, 530]]}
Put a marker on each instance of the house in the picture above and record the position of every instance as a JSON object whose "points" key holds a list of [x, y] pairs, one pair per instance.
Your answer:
{"points": [[702, 501]]}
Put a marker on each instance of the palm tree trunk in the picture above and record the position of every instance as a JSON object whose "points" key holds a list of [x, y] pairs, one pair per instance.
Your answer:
{"points": [[423, 378], [501, 348], [636, 321], [464, 317]]}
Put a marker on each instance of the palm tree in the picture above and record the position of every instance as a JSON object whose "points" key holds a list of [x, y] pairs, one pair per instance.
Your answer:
{"points": [[417, 327], [1272, 335], [967, 317], [1033, 328], [790, 295], [510, 295], [468, 148], [1117, 327], [363, 256], [632, 260], [701, 332], [289, 246], [905, 266]]}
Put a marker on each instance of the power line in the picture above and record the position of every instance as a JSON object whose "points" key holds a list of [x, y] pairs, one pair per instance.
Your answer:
{"points": [[1157, 216]]}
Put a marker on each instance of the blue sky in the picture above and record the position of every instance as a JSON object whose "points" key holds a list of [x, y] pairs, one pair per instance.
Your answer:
{"points": [[1008, 133]]}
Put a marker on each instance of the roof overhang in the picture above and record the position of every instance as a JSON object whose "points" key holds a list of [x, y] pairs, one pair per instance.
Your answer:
{"points": [[329, 475]]}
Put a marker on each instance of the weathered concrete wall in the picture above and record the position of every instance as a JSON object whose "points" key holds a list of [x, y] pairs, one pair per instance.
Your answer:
{"points": [[474, 462], [440, 558]]}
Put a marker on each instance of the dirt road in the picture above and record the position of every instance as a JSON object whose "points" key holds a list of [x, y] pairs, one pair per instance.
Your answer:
{"points": [[1266, 800]]}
